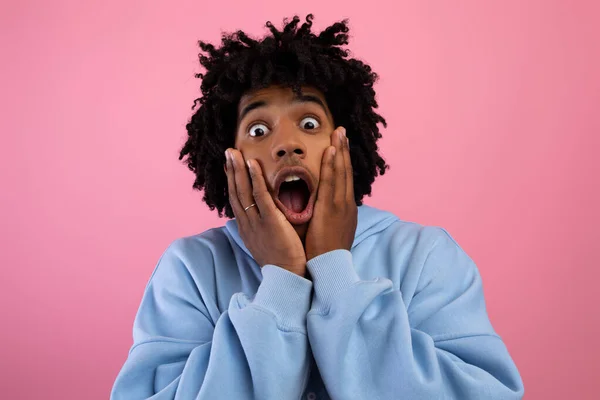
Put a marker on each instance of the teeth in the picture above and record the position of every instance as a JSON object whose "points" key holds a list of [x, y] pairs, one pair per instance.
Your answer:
{"points": [[292, 178]]}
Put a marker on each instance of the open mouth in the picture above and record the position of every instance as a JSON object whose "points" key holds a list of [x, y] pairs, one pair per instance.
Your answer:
{"points": [[295, 196]]}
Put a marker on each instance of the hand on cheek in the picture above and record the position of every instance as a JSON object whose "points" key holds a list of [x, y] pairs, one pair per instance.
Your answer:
{"points": [[264, 229], [335, 216]]}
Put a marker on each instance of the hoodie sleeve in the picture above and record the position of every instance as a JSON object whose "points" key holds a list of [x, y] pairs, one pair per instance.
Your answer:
{"points": [[369, 345], [257, 349]]}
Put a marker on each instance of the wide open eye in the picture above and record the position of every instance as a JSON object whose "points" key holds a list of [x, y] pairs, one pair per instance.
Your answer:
{"points": [[257, 130], [309, 123]]}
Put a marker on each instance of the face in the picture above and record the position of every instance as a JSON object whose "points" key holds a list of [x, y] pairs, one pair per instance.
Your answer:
{"points": [[287, 135]]}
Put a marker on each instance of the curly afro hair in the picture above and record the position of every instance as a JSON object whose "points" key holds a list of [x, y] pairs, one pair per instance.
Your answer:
{"points": [[293, 58]]}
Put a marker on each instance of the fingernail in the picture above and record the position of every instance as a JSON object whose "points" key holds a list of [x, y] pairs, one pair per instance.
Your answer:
{"points": [[343, 131], [249, 164], [227, 155], [231, 160]]}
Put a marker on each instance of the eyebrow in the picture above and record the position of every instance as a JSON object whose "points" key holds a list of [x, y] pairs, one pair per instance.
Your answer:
{"points": [[305, 98]]}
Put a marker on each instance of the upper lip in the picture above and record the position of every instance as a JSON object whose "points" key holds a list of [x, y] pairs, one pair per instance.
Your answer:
{"points": [[300, 172]]}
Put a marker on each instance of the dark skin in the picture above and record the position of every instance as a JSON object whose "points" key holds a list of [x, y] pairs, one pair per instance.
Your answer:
{"points": [[277, 129]]}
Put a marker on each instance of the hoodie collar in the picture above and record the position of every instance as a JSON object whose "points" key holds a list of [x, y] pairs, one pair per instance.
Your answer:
{"points": [[370, 221]]}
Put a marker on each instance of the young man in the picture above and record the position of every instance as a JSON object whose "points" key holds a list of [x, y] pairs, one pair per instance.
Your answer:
{"points": [[307, 293]]}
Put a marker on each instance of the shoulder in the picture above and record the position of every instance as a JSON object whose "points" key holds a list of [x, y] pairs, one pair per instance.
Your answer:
{"points": [[419, 237], [435, 252], [201, 244], [192, 256], [429, 248]]}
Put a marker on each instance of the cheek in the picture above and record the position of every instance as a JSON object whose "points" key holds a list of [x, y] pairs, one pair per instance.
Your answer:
{"points": [[249, 152], [238, 139], [262, 158]]}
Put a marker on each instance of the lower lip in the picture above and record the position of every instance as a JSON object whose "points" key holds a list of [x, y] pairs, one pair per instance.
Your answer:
{"points": [[297, 218]]}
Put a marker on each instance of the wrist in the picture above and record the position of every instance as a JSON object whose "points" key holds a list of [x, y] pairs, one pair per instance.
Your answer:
{"points": [[295, 268], [320, 251], [299, 270]]}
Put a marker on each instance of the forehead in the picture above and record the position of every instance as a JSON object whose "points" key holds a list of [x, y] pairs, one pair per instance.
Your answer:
{"points": [[277, 94]]}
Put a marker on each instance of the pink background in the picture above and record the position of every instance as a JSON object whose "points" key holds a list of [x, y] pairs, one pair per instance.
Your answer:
{"points": [[493, 133]]}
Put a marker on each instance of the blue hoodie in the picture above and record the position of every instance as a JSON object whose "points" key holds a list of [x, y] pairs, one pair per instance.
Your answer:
{"points": [[400, 316]]}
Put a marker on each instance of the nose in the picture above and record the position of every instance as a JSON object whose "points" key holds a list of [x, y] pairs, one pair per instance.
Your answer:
{"points": [[288, 143]]}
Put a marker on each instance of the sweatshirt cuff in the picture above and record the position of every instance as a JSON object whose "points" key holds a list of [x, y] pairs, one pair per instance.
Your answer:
{"points": [[332, 273], [285, 294]]}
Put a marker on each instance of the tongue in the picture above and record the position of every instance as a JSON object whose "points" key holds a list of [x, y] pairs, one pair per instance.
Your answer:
{"points": [[293, 199]]}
